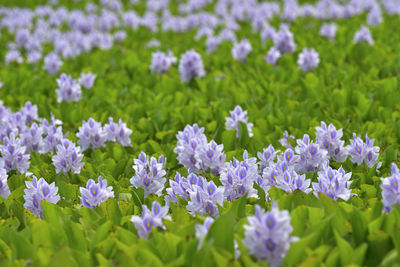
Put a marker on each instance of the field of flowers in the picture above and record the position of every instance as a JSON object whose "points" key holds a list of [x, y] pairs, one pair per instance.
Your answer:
{"points": [[199, 133]]}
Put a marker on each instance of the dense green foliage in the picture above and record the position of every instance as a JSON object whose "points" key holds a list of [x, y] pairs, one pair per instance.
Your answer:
{"points": [[355, 87]]}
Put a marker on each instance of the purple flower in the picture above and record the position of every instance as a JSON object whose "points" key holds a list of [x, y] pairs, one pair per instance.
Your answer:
{"points": [[68, 157], [4, 189], [68, 89], [91, 134], [272, 56], [95, 193], [267, 235], [291, 181], [13, 55], [118, 132], [204, 199], [87, 80], [390, 189], [37, 191], [29, 112], [284, 141], [204, 31], [360, 151], [308, 59], [161, 62], [14, 154], [363, 35], [238, 178], [189, 141], [150, 219], [153, 43], [52, 63], [34, 56], [149, 175], [53, 134], [268, 32], [119, 36], [374, 17], [22, 37], [312, 156], [123, 134], [210, 156], [32, 138], [212, 43], [328, 30], [179, 187], [238, 115], [267, 157], [241, 50], [227, 35], [333, 183], [284, 41], [190, 66], [330, 139]]}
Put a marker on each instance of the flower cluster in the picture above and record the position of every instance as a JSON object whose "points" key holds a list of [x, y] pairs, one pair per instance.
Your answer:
{"points": [[308, 59], [241, 50], [68, 157], [390, 189], [312, 156], [238, 178], [190, 66], [36, 191], [284, 41], [267, 157], [14, 154], [363, 35], [118, 132], [92, 134], [360, 152], [160, 62], [204, 197], [95, 193], [272, 56], [333, 183], [52, 63], [149, 174], [267, 235], [153, 218], [68, 89], [238, 115], [329, 139], [210, 156], [179, 186], [195, 153], [328, 30], [87, 80]]}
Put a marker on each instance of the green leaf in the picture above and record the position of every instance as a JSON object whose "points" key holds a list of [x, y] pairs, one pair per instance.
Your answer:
{"points": [[359, 227], [244, 138], [229, 139], [221, 232]]}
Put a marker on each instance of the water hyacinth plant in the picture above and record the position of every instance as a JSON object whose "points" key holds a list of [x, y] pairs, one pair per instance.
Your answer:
{"points": [[267, 236], [38, 190], [94, 193], [149, 174], [261, 104]]}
